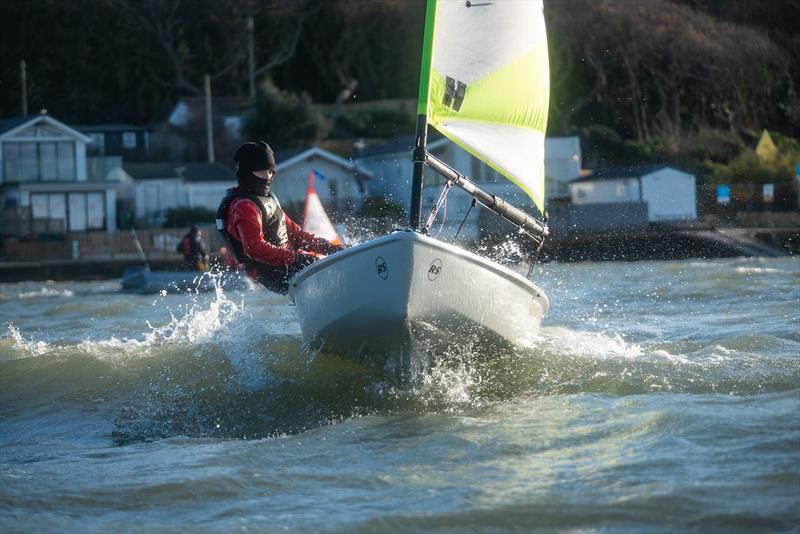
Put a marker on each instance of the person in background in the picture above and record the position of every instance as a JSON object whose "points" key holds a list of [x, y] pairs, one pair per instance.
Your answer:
{"points": [[195, 257], [271, 246]]}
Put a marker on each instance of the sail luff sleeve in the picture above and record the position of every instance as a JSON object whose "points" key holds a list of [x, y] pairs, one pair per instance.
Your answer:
{"points": [[421, 136], [427, 57]]}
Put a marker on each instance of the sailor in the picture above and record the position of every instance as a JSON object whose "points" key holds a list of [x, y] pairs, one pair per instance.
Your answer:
{"points": [[270, 245], [195, 257]]}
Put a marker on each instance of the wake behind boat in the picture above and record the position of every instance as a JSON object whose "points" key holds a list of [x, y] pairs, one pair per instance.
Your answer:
{"points": [[484, 84]]}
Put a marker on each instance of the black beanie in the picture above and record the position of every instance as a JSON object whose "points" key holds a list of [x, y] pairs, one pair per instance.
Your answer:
{"points": [[254, 156]]}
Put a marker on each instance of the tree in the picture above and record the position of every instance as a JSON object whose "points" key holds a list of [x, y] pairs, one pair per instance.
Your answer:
{"points": [[284, 119]]}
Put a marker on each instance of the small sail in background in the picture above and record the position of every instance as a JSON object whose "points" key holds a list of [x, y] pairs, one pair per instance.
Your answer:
{"points": [[488, 87], [315, 219]]}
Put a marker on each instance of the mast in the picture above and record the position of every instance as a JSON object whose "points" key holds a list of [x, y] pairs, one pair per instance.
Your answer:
{"points": [[421, 136]]}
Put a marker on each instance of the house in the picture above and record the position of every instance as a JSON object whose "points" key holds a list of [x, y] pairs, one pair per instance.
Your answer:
{"points": [[392, 165], [342, 185], [188, 117], [162, 186], [131, 143], [669, 194], [47, 182]]}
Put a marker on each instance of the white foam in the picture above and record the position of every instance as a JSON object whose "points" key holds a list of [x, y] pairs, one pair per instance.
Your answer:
{"points": [[758, 270], [46, 292], [32, 348]]}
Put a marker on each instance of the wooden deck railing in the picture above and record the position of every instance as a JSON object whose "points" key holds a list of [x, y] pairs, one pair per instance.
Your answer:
{"points": [[155, 243]]}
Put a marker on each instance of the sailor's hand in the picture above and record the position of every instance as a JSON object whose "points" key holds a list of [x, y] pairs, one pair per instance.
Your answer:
{"points": [[302, 260], [330, 248]]}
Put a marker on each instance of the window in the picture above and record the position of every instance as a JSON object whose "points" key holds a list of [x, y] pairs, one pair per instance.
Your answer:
{"points": [[49, 160], [129, 139], [76, 203], [620, 190], [52, 207], [66, 161], [37, 162], [95, 211], [28, 168], [11, 163]]}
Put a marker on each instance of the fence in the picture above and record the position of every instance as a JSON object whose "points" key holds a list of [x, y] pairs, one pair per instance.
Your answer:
{"points": [[157, 243]]}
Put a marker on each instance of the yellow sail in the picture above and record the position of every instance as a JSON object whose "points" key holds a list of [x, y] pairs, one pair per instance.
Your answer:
{"points": [[488, 84]]}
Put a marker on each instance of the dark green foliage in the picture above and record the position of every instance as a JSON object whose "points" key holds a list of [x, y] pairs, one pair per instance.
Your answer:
{"points": [[747, 167], [180, 217], [284, 119]]}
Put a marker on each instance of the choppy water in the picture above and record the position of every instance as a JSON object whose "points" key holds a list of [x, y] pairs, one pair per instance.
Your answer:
{"points": [[662, 397]]}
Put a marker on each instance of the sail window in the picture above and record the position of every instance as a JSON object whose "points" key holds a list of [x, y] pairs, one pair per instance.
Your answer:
{"points": [[454, 92]]}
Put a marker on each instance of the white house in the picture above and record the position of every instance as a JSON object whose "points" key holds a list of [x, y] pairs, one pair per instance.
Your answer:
{"points": [[670, 194], [340, 183], [46, 176], [160, 187]]}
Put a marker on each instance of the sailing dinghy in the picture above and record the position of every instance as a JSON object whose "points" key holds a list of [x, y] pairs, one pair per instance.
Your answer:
{"points": [[484, 84]]}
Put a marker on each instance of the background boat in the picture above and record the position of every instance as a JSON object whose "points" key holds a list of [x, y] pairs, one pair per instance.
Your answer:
{"points": [[143, 280]]}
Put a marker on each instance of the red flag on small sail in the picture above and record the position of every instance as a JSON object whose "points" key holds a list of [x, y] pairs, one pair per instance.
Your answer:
{"points": [[315, 220]]}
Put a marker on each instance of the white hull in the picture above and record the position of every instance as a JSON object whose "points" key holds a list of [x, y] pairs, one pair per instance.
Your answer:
{"points": [[378, 298]]}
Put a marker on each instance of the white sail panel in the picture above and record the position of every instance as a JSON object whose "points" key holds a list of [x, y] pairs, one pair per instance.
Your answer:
{"points": [[489, 85], [506, 158]]}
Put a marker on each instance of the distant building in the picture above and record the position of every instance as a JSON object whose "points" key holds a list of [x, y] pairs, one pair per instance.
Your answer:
{"points": [[188, 118], [47, 182], [160, 187], [163, 186], [341, 184], [670, 194], [131, 143]]}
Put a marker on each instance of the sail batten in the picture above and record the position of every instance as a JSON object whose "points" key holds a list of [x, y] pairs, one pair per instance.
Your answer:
{"points": [[488, 85]]}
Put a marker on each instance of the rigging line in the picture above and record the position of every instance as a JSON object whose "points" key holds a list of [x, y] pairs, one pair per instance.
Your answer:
{"points": [[444, 215], [472, 205], [535, 258], [435, 208]]}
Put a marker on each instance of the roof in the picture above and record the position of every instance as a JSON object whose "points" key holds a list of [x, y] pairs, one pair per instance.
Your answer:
{"points": [[308, 153], [12, 124], [150, 171], [9, 123], [188, 172], [632, 171], [206, 172], [399, 144], [113, 127]]}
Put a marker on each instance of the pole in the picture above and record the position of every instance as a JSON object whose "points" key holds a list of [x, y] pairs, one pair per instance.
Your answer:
{"points": [[251, 55], [494, 203], [24, 75], [421, 137], [421, 141], [209, 122]]}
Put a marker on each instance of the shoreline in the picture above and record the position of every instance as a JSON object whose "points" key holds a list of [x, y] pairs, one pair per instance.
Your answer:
{"points": [[643, 245]]}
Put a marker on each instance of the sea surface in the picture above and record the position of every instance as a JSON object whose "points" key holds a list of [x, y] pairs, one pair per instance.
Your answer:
{"points": [[661, 397]]}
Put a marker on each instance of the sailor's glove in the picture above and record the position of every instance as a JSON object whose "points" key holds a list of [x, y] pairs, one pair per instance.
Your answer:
{"points": [[326, 247], [302, 260]]}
